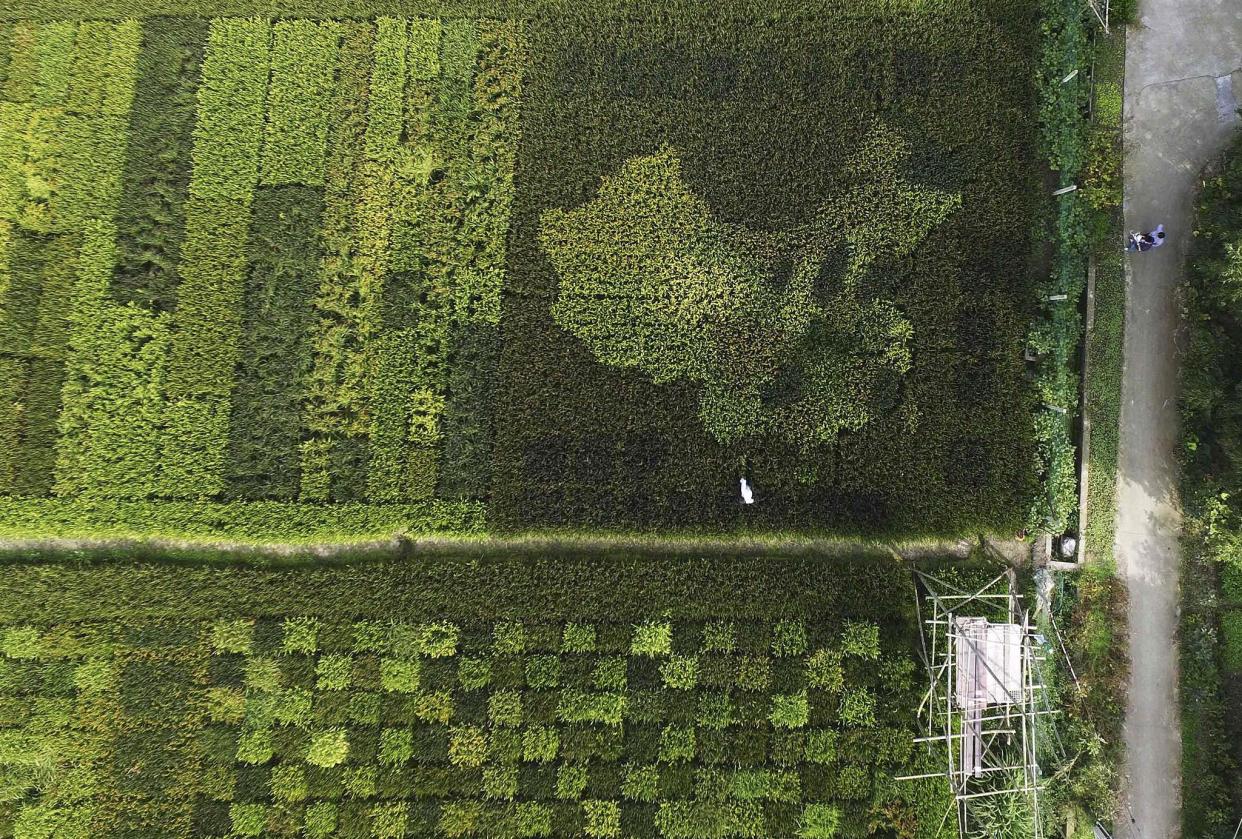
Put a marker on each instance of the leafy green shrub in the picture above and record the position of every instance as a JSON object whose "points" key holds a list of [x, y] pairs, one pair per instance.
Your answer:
{"points": [[1231, 637], [328, 748], [790, 710], [578, 638], [504, 708], [680, 672], [232, 636], [571, 781], [652, 639], [467, 746], [603, 819], [390, 819], [300, 635], [1102, 177], [819, 821], [396, 746], [789, 638], [333, 672], [399, 675], [248, 819], [1231, 584], [719, 637]]}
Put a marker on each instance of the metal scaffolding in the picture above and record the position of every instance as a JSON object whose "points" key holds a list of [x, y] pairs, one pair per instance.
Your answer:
{"points": [[985, 693]]}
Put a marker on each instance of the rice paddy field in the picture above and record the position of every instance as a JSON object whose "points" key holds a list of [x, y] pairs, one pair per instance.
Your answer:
{"points": [[331, 271], [278, 277], [518, 696]]}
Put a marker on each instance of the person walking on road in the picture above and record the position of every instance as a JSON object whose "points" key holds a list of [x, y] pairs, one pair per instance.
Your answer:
{"points": [[1143, 242]]}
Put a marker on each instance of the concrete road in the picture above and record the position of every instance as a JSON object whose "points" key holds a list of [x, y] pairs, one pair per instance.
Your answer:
{"points": [[1183, 66]]}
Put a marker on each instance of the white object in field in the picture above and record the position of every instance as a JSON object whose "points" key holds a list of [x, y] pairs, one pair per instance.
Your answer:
{"points": [[748, 497], [1069, 546]]}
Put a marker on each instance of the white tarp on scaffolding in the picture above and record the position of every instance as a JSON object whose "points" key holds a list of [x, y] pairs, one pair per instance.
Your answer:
{"points": [[988, 659]]}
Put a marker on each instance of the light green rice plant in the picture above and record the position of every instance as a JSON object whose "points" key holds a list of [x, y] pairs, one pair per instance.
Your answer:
{"points": [[300, 635], [652, 638], [467, 746], [680, 672], [819, 821], [641, 783], [320, 820], [333, 672], [509, 638], [232, 636], [571, 781], [540, 744], [328, 748], [789, 638], [603, 819], [359, 782], [719, 637], [789, 710], [500, 783]]}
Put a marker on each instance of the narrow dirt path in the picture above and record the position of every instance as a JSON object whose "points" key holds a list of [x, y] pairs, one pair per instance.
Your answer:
{"points": [[1180, 109]]}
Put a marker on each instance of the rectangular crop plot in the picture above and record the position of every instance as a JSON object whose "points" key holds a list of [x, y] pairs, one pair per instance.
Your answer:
{"points": [[536, 266], [545, 701]]}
